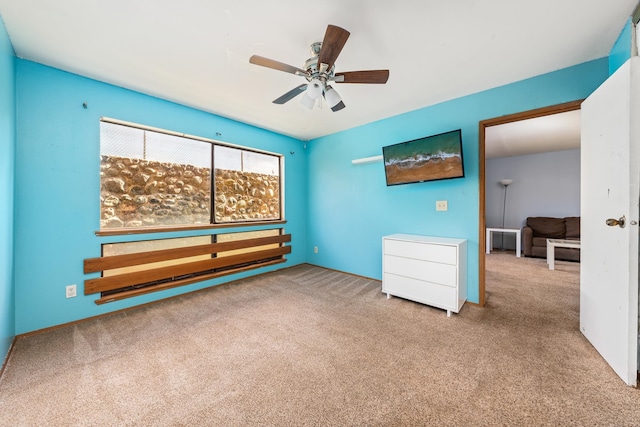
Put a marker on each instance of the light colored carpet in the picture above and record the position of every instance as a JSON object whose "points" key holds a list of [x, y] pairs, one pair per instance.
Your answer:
{"points": [[310, 346]]}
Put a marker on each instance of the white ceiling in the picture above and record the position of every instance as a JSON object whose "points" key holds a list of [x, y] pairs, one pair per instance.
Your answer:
{"points": [[196, 52], [555, 132]]}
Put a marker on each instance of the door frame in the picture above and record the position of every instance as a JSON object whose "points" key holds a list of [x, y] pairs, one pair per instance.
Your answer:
{"points": [[483, 125]]}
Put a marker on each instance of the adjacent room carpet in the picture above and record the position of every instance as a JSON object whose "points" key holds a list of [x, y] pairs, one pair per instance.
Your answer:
{"points": [[311, 346]]}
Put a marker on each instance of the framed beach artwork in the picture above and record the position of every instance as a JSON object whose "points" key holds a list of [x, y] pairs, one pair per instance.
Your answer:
{"points": [[430, 158]]}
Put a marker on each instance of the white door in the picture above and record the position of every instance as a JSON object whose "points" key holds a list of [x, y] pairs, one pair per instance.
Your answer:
{"points": [[610, 158]]}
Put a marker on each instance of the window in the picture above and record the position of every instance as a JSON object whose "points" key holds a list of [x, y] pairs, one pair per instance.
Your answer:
{"points": [[153, 178], [247, 185]]}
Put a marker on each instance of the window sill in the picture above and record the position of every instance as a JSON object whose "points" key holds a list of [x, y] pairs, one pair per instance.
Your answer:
{"points": [[167, 229]]}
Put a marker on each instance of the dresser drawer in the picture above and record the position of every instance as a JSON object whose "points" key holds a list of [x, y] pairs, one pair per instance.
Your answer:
{"points": [[429, 252], [442, 274], [433, 294]]}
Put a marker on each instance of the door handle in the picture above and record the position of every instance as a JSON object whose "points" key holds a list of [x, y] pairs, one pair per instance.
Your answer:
{"points": [[619, 222]]}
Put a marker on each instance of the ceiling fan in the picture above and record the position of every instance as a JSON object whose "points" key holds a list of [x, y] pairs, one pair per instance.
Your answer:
{"points": [[319, 70]]}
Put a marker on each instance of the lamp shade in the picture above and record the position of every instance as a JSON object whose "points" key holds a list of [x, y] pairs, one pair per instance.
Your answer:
{"points": [[315, 88], [506, 182], [331, 96], [308, 101]]}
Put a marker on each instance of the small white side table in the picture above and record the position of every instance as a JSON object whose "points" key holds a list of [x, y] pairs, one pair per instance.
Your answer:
{"points": [[560, 243], [516, 231]]}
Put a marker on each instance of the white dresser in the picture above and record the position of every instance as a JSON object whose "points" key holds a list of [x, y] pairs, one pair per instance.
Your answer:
{"points": [[429, 270]]}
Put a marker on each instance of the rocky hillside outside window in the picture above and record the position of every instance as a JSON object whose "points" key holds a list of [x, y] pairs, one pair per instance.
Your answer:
{"points": [[247, 185], [153, 178]]}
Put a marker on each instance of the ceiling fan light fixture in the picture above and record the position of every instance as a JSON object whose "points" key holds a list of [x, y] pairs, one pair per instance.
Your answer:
{"points": [[315, 88], [308, 101], [331, 96]]}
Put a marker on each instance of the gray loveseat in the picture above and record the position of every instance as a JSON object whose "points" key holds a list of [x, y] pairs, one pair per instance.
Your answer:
{"points": [[538, 229]]}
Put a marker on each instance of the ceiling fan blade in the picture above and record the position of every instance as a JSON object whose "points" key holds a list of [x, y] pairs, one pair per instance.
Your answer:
{"points": [[369, 76], [280, 66], [334, 40], [291, 94]]}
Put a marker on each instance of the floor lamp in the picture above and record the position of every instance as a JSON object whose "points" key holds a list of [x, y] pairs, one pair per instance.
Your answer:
{"points": [[505, 183]]}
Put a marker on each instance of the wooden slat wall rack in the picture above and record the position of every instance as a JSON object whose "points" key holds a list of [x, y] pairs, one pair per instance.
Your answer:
{"points": [[118, 286]]}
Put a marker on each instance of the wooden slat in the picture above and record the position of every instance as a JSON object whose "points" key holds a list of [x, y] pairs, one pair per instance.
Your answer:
{"points": [[135, 278], [93, 265], [182, 282]]}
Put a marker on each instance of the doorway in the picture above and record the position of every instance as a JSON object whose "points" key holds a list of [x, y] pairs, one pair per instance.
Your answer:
{"points": [[483, 125]]}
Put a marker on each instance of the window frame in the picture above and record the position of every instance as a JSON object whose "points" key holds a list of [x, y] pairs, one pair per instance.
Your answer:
{"points": [[212, 222]]}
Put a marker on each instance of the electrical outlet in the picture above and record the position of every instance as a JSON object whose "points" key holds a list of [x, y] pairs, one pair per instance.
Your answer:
{"points": [[71, 291], [315, 249], [441, 205]]}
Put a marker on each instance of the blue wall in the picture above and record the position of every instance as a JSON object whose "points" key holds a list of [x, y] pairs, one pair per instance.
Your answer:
{"points": [[351, 208], [341, 208], [621, 50], [57, 186], [7, 150]]}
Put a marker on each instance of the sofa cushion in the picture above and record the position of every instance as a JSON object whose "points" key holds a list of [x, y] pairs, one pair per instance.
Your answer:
{"points": [[572, 224], [539, 241], [550, 228]]}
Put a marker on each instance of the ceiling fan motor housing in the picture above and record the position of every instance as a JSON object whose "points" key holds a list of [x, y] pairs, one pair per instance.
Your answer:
{"points": [[311, 65]]}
